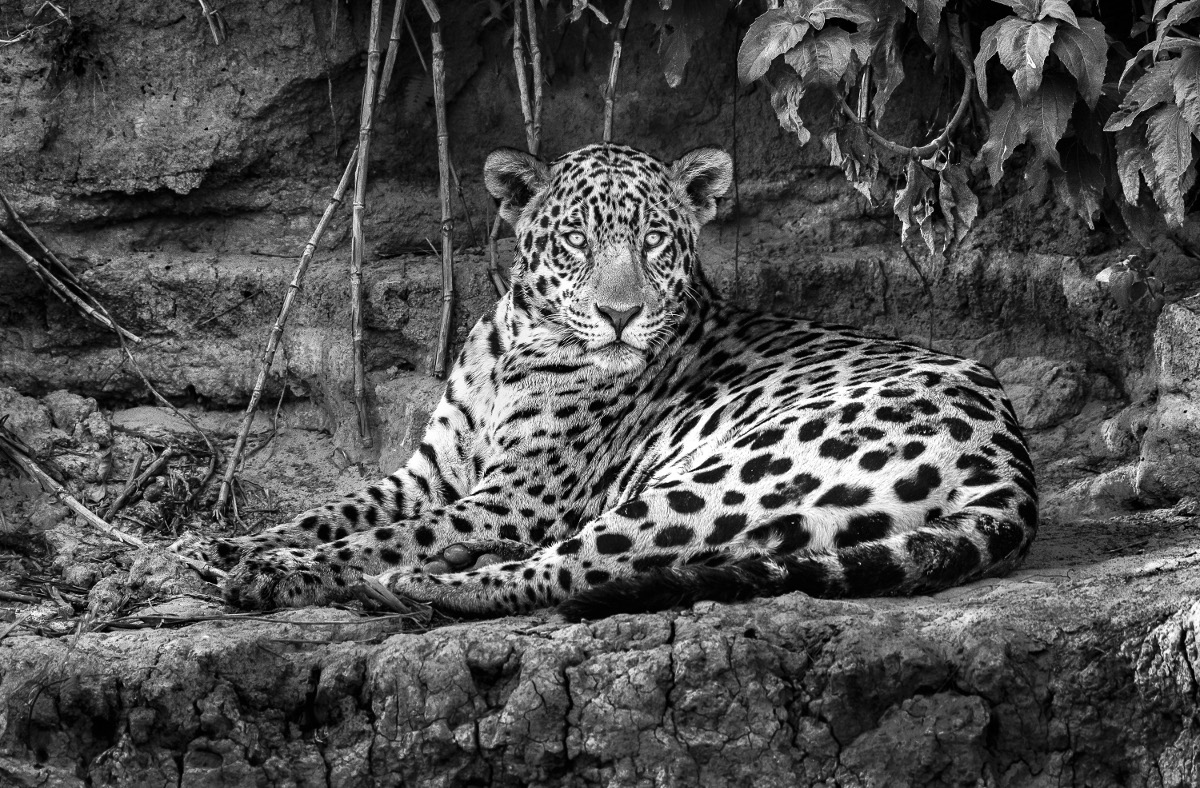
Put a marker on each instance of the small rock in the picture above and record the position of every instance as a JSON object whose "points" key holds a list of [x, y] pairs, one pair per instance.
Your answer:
{"points": [[1044, 391], [1170, 461], [67, 409], [151, 422], [82, 575], [46, 513], [1110, 494], [99, 428], [29, 420]]}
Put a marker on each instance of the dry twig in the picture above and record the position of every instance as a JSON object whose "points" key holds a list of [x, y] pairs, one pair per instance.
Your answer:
{"points": [[134, 484], [610, 94], [63, 283]]}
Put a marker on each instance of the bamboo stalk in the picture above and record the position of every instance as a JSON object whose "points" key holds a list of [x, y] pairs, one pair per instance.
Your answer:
{"points": [[443, 138], [535, 58], [522, 78], [610, 94], [297, 280], [62, 291], [268, 355], [356, 232]]}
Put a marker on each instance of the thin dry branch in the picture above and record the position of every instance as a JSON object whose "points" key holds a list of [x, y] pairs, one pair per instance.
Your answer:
{"points": [[610, 94], [268, 355], [959, 47], [154, 469], [442, 351], [65, 285], [359, 207]]}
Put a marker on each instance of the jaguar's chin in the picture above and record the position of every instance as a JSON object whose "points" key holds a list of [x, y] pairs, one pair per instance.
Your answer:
{"points": [[617, 358]]}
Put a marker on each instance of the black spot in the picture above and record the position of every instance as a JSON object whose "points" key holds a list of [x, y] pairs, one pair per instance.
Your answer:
{"points": [[791, 531], [564, 579], [509, 531], [461, 524], [982, 470], [845, 495], [685, 501], [979, 414], [345, 554], [897, 393], [767, 438], [389, 556], [711, 476], [864, 528], [981, 379], [350, 512], [324, 532], [811, 430], [899, 415], [873, 460], [673, 536], [633, 510], [384, 534], [913, 450], [309, 523], [733, 498], [725, 528], [943, 559], [837, 449], [424, 535], [871, 433], [611, 544], [570, 547], [958, 429], [340, 532], [870, 569], [760, 466], [596, 576], [996, 499], [850, 412], [918, 486], [649, 562]]}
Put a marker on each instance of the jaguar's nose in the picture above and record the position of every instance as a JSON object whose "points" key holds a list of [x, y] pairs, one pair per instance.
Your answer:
{"points": [[619, 317]]}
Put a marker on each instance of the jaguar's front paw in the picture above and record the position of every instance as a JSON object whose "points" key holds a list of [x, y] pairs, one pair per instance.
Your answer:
{"points": [[287, 578], [477, 554]]}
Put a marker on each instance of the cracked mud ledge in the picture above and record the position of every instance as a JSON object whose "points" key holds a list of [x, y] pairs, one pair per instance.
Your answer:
{"points": [[1055, 676]]}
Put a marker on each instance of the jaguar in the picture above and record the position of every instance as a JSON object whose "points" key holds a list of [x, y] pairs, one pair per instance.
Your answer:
{"points": [[614, 437]]}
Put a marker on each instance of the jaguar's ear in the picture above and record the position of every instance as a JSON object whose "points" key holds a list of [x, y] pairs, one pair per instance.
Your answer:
{"points": [[702, 176], [514, 177]]}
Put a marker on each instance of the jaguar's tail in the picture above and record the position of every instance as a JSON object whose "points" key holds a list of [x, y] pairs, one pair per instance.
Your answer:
{"points": [[946, 552]]}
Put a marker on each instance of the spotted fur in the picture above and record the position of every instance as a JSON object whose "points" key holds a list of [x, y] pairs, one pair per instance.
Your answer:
{"points": [[626, 441]]}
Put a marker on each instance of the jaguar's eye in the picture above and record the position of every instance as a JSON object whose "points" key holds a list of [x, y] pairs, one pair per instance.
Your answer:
{"points": [[576, 239], [654, 239]]}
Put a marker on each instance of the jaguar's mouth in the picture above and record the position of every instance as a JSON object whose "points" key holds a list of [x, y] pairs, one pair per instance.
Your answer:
{"points": [[618, 356]]}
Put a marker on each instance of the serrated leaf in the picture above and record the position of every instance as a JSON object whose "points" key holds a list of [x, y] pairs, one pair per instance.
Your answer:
{"points": [[850, 150], [1169, 44], [785, 100], [1058, 9], [821, 59], [1008, 130], [1133, 161], [929, 18], [989, 45], [769, 36], [914, 203], [817, 12], [1029, 10], [1023, 48], [1047, 113], [886, 63], [1178, 15], [1170, 140], [1186, 85], [1151, 89], [960, 206], [1083, 50], [683, 24]]}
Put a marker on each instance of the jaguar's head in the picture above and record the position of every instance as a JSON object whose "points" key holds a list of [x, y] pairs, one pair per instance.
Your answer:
{"points": [[606, 239]]}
